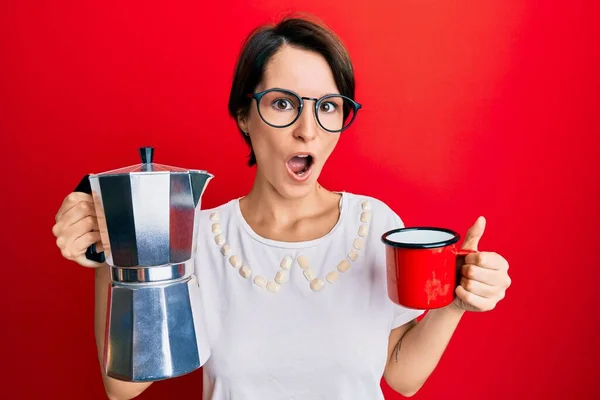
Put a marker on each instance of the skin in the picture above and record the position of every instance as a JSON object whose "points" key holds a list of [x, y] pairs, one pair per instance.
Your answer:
{"points": [[280, 208]]}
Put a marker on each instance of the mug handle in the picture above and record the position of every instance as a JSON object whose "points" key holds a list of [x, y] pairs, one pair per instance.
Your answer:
{"points": [[91, 254]]}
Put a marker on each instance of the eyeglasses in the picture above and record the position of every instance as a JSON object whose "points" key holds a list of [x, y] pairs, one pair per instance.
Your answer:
{"points": [[280, 108]]}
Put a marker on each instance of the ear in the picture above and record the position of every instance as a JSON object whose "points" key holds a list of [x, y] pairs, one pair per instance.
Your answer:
{"points": [[242, 122]]}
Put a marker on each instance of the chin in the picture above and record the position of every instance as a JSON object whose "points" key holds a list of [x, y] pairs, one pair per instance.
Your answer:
{"points": [[294, 190]]}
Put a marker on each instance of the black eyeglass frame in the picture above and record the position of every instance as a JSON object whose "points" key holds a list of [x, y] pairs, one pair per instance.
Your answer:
{"points": [[258, 96]]}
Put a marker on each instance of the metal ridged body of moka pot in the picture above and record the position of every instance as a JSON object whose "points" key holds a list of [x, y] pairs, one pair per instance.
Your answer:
{"points": [[147, 217]]}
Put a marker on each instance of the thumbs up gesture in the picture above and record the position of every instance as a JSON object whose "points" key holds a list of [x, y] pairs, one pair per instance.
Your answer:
{"points": [[484, 275]]}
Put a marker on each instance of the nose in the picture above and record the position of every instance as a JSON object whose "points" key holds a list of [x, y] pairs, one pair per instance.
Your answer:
{"points": [[306, 127]]}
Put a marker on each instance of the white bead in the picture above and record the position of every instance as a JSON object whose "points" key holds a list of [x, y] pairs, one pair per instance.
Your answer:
{"points": [[343, 266], [308, 274], [219, 240], [235, 261], [260, 281], [332, 276], [353, 255], [273, 287], [316, 284], [365, 216], [286, 262], [216, 229], [245, 271], [303, 262], [358, 243], [281, 277], [366, 205], [226, 250], [363, 230], [215, 217]]}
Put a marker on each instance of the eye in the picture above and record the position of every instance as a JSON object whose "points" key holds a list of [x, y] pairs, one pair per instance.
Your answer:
{"points": [[282, 104], [328, 107]]}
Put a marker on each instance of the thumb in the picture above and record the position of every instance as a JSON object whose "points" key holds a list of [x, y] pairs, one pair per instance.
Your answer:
{"points": [[474, 234]]}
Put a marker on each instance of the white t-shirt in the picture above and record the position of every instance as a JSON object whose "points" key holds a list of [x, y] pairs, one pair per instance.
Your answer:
{"points": [[305, 338]]}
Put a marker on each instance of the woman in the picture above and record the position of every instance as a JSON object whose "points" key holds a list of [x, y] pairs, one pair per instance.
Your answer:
{"points": [[293, 274]]}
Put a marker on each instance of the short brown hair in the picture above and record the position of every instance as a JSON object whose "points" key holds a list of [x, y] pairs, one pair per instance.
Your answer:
{"points": [[263, 43]]}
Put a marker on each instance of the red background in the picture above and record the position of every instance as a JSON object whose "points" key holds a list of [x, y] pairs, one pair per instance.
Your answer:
{"points": [[471, 108]]}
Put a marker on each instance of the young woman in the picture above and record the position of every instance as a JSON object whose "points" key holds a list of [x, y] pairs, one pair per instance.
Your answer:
{"points": [[293, 274]]}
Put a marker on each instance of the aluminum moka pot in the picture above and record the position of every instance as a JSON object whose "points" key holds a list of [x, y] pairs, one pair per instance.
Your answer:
{"points": [[147, 217]]}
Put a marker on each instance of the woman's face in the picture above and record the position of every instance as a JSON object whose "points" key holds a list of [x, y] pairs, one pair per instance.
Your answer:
{"points": [[291, 159]]}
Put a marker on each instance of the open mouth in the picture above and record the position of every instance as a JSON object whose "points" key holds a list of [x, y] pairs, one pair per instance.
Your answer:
{"points": [[300, 164]]}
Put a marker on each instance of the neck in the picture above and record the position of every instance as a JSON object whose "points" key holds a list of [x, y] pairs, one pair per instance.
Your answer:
{"points": [[264, 203]]}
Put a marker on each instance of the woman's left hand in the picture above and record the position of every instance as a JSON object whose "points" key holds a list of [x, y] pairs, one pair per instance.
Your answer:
{"points": [[484, 275]]}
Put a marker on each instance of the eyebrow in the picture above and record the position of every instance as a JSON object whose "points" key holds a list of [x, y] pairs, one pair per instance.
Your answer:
{"points": [[336, 92]]}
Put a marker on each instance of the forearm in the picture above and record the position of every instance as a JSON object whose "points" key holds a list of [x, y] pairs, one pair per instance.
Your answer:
{"points": [[420, 349], [115, 389]]}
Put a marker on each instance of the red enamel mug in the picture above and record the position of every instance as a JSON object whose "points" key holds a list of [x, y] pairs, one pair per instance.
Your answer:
{"points": [[423, 266]]}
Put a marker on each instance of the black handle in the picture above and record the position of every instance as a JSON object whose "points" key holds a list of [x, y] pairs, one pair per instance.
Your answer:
{"points": [[91, 254]]}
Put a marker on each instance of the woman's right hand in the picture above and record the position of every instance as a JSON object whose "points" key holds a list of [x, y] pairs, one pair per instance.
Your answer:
{"points": [[76, 228]]}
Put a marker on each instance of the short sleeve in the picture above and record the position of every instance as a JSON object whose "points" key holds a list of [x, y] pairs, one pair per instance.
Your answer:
{"points": [[402, 315]]}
